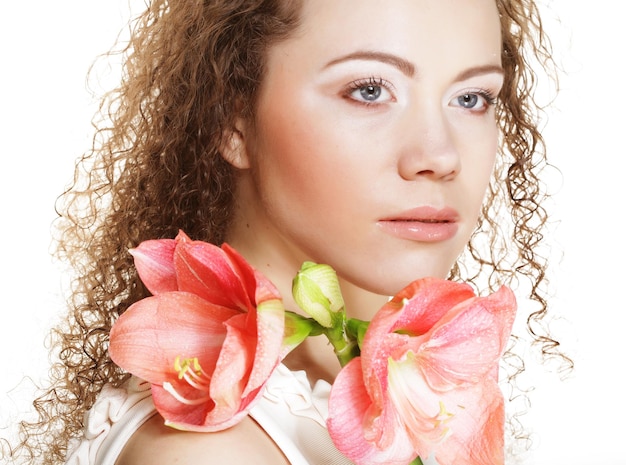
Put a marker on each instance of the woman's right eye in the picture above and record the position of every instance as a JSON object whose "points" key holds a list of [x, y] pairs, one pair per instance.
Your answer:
{"points": [[369, 91]]}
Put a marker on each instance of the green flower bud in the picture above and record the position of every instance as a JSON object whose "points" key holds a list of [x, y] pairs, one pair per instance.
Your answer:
{"points": [[316, 290]]}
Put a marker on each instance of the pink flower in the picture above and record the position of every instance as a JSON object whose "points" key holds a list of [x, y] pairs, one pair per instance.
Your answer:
{"points": [[426, 380], [208, 339]]}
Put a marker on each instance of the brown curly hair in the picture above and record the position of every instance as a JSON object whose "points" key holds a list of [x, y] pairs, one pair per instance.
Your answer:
{"points": [[189, 68]]}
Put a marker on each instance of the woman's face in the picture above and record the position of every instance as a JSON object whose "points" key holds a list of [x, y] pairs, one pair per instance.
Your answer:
{"points": [[374, 138]]}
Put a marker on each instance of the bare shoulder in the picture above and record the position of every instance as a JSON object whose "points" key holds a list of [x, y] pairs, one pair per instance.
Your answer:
{"points": [[157, 444]]}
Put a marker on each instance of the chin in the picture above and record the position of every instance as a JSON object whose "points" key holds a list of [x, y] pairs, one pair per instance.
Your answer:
{"points": [[387, 272], [389, 283]]}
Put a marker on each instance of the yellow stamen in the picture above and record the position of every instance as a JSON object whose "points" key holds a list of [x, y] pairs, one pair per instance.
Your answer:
{"points": [[443, 416], [186, 365], [190, 370]]}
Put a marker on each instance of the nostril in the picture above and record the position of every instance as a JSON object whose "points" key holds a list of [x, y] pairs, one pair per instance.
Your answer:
{"points": [[420, 164]]}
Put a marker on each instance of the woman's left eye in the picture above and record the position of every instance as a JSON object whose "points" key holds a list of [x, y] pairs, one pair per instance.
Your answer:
{"points": [[474, 101], [369, 91]]}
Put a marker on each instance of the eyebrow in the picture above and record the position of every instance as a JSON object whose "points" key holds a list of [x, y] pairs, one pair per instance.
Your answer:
{"points": [[408, 68], [403, 65], [478, 71]]}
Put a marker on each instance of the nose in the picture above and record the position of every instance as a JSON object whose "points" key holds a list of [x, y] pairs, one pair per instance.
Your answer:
{"points": [[429, 149]]}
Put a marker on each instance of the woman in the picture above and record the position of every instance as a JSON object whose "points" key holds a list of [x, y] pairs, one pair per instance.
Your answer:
{"points": [[358, 133]]}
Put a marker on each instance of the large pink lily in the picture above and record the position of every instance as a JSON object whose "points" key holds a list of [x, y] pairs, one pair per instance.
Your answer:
{"points": [[209, 337], [426, 380]]}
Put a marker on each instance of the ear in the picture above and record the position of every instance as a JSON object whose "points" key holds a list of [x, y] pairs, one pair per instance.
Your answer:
{"points": [[233, 148]]}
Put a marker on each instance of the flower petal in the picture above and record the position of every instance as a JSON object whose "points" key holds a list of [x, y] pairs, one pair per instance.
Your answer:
{"points": [[426, 301], [349, 406], [180, 415], [378, 346], [430, 358], [209, 341], [270, 326], [154, 261], [477, 433], [250, 353], [468, 342], [208, 271], [232, 370], [422, 410], [316, 291], [470, 420], [152, 333], [246, 273]]}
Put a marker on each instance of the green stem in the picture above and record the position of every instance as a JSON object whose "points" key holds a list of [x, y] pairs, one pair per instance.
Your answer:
{"points": [[345, 334], [417, 461], [355, 329], [298, 328], [346, 347]]}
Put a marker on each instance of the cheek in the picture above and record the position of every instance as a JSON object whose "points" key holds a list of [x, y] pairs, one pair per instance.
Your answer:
{"points": [[481, 171], [478, 152], [486, 160], [285, 168], [297, 155], [477, 163]]}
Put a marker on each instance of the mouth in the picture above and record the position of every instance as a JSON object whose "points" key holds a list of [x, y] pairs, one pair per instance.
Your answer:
{"points": [[422, 224], [420, 220], [427, 214]]}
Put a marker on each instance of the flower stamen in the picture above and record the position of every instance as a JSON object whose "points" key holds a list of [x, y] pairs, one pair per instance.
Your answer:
{"points": [[183, 400], [442, 419], [190, 370]]}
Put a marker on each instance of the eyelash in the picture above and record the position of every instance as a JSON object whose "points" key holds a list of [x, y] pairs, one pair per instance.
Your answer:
{"points": [[361, 83], [487, 95]]}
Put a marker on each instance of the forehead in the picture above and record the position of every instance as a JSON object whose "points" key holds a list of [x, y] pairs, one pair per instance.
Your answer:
{"points": [[416, 29]]}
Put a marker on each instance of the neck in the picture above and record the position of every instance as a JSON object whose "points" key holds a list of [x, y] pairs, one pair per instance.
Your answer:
{"points": [[265, 248], [315, 355]]}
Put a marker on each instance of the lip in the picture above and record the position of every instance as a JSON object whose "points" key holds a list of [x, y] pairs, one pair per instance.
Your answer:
{"points": [[422, 224]]}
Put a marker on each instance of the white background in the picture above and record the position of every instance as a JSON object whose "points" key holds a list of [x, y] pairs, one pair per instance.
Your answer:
{"points": [[45, 111]]}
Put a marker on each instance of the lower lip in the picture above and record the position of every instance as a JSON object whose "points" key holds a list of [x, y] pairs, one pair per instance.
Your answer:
{"points": [[420, 231]]}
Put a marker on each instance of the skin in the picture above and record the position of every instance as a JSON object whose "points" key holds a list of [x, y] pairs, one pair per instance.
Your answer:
{"points": [[320, 168], [155, 443], [324, 162]]}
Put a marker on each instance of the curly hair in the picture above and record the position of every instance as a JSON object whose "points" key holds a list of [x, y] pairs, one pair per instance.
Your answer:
{"points": [[189, 69]]}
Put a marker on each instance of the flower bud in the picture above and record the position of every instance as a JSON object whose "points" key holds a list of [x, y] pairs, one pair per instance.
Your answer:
{"points": [[316, 290]]}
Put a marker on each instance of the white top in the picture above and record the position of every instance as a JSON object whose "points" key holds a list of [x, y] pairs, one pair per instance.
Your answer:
{"points": [[290, 412]]}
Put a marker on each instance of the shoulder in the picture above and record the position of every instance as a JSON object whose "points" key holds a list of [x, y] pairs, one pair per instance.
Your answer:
{"points": [[157, 444]]}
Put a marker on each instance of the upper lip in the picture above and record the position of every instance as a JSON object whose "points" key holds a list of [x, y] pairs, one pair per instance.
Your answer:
{"points": [[426, 214]]}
